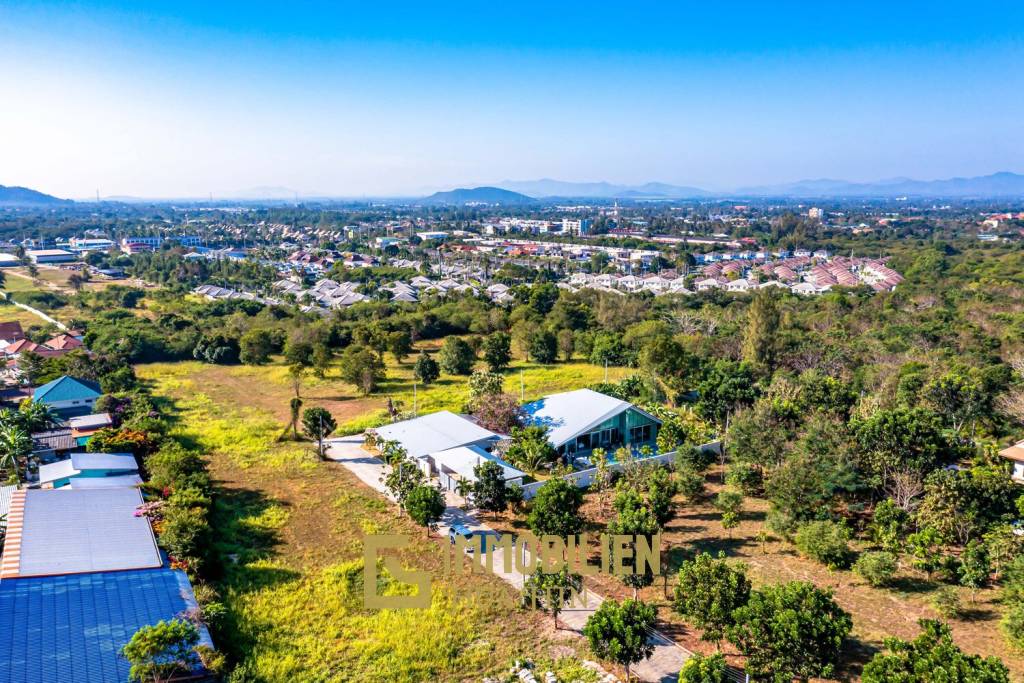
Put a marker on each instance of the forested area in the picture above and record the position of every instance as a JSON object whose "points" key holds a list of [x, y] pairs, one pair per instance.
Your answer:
{"points": [[869, 423]]}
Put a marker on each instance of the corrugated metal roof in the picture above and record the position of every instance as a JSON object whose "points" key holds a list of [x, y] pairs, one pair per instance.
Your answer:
{"points": [[105, 482], [85, 462], [569, 414], [5, 502], [90, 421], [463, 459], [69, 531], [435, 432], [72, 628], [62, 469], [54, 440]]}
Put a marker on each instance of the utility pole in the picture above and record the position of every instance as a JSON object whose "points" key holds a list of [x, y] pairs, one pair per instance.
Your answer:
{"points": [[415, 413], [522, 387]]}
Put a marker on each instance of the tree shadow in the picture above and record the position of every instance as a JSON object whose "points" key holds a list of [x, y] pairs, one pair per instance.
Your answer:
{"points": [[241, 539], [856, 653], [911, 584]]}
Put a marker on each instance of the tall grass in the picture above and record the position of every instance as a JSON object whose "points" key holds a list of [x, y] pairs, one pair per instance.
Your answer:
{"points": [[292, 617]]}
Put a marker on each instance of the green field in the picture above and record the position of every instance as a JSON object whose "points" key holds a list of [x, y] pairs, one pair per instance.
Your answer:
{"points": [[269, 388], [289, 535]]}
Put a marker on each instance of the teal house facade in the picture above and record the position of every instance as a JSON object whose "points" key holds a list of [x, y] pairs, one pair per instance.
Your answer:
{"points": [[580, 421]]}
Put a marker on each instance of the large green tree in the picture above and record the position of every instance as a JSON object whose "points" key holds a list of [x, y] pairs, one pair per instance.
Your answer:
{"points": [[555, 510], [792, 630], [707, 592], [456, 356], [425, 505], [490, 492], [497, 351], [617, 632], [761, 336]]}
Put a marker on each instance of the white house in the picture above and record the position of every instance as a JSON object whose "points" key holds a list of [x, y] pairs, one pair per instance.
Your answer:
{"points": [[1015, 454], [440, 431], [458, 464], [707, 283], [804, 288], [740, 285]]}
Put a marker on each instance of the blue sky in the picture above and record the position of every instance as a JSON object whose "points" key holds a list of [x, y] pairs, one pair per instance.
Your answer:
{"points": [[187, 98]]}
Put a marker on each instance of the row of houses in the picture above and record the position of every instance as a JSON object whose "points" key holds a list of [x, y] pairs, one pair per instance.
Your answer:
{"points": [[14, 345], [326, 294], [419, 285], [81, 570]]}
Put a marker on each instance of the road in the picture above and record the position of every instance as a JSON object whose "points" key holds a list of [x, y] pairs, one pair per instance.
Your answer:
{"points": [[662, 665]]}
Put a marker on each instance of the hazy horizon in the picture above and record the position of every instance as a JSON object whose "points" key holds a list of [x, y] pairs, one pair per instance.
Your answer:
{"points": [[186, 99]]}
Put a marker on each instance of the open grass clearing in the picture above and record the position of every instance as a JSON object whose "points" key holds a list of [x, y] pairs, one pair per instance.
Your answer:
{"points": [[269, 388], [289, 532]]}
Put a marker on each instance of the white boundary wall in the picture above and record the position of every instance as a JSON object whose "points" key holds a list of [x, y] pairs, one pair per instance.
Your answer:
{"points": [[583, 478]]}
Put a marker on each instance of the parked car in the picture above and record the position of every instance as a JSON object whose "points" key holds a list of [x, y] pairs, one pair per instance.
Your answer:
{"points": [[457, 531]]}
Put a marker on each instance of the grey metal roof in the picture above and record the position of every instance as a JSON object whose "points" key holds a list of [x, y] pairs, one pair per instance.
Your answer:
{"points": [[105, 482], [84, 462], [463, 459], [5, 502], [71, 531], [90, 421], [62, 469], [435, 432], [569, 414], [54, 440]]}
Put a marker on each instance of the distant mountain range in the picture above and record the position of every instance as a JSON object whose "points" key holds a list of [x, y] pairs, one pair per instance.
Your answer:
{"points": [[1003, 184], [23, 196], [483, 195], [546, 187]]}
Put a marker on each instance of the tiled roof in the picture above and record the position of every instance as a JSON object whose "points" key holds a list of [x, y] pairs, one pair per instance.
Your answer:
{"points": [[72, 628]]}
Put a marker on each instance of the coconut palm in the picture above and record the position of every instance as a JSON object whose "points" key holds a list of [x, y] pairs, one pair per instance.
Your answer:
{"points": [[37, 416], [15, 444]]}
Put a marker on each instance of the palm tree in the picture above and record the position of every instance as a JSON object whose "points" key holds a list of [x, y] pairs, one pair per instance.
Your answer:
{"points": [[36, 416], [15, 444]]}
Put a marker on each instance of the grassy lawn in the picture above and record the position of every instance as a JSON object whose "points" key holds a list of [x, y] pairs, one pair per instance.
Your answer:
{"points": [[11, 313], [289, 535]]}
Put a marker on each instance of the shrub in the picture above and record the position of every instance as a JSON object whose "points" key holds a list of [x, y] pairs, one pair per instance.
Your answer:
{"points": [[877, 568], [1012, 625], [175, 467], [745, 477], [690, 483], [946, 602], [694, 458], [184, 532], [825, 542], [157, 652], [701, 669]]}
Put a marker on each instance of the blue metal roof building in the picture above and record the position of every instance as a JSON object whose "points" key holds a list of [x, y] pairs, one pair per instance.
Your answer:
{"points": [[71, 628], [69, 396]]}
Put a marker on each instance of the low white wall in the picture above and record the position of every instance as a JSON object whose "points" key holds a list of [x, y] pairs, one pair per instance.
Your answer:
{"points": [[583, 478]]}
